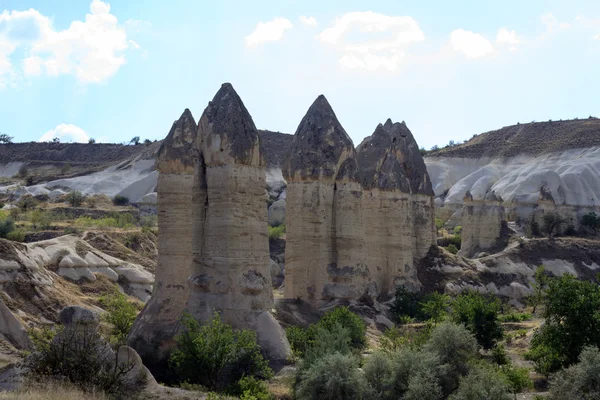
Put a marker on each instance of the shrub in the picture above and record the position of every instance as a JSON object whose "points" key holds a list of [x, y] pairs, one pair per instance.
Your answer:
{"points": [[572, 321], [23, 171], [119, 200], [552, 223], [455, 346], [7, 225], [75, 198], [91, 201], [27, 203], [540, 284], [298, 339], [333, 377], [515, 317], [457, 230], [499, 355], [216, 356], [591, 220], [82, 358], [250, 388], [479, 314], [18, 235], [434, 306], [275, 232], [349, 320], [327, 341], [40, 219], [120, 313], [65, 168], [439, 224], [452, 248], [581, 380], [150, 221], [482, 383], [518, 379]]}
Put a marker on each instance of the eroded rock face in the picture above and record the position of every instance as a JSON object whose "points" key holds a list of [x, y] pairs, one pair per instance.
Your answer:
{"points": [[181, 197], [355, 220], [484, 227], [11, 329], [213, 244]]}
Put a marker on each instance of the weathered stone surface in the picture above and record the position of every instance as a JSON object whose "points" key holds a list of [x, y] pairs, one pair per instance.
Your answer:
{"points": [[213, 244], [231, 274], [11, 329], [355, 220], [181, 196], [277, 213], [484, 227]]}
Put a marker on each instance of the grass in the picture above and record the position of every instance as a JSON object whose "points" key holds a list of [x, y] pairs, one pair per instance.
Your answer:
{"points": [[275, 232], [122, 221], [51, 391]]}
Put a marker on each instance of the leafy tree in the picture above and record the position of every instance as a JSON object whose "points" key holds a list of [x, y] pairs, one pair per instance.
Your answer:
{"points": [[591, 220], [405, 303], [147, 142], [5, 139], [75, 198], [350, 321], [215, 356], [7, 225], [552, 223], [40, 219], [452, 248], [135, 140], [482, 383], [517, 378], [572, 321], [435, 306], [56, 140], [120, 313], [499, 355], [92, 141], [540, 284], [119, 200], [27, 202], [479, 314]]}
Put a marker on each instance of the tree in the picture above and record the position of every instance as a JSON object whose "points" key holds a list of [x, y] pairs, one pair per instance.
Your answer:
{"points": [[5, 139], [135, 140], [539, 287], [147, 142], [479, 314], [56, 140], [349, 320], [591, 220], [435, 306], [552, 223], [572, 321], [581, 380], [482, 383], [92, 141], [405, 303]]}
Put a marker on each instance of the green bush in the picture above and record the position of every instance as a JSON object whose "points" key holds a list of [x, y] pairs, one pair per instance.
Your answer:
{"points": [[457, 230], [116, 220], [455, 240], [40, 219], [332, 377], [119, 200], [405, 303], [572, 321], [298, 339], [18, 235], [435, 306], [482, 383], [515, 317], [581, 380], [275, 232], [349, 320], [27, 203], [591, 220], [439, 224], [479, 314], [120, 313], [395, 338], [518, 379], [250, 388], [75, 198], [452, 248], [216, 356], [7, 225], [455, 347], [499, 355]]}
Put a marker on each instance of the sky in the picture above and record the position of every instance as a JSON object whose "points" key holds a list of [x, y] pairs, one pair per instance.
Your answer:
{"points": [[112, 70]]}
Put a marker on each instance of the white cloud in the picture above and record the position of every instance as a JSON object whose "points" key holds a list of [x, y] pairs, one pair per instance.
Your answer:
{"points": [[64, 131], [597, 37], [93, 50], [270, 31], [552, 23], [398, 32], [310, 21], [472, 45], [509, 38]]}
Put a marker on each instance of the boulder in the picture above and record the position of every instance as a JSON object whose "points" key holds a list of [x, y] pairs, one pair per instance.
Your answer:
{"points": [[277, 213]]}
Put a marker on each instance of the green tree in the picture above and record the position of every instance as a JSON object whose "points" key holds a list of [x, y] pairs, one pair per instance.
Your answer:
{"points": [[5, 139], [482, 383], [135, 140], [435, 306], [517, 379], [349, 320], [552, 223], [75, 198], [479, 314], [591, 220], [581, 380], [572, 321], [405, 303], [540, 284], [216, 356], [120, 313]]}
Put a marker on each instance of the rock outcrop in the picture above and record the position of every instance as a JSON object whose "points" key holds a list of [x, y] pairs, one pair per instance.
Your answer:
{"points": [[213, 244], [12, 330], [356, 219], [484, 227]]}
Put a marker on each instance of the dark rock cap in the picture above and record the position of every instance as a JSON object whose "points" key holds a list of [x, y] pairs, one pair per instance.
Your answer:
{"points": [[227, 117], [390, 159], [179, 143], [319, 144]]}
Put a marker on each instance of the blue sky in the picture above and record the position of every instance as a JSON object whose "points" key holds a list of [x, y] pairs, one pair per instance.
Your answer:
{"points": [[450, 69]]}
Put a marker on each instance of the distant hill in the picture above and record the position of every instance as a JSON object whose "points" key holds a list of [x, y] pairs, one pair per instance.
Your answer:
{"points": [[533, 139]]}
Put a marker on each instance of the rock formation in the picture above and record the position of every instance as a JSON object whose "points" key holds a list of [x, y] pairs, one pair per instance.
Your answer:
{"points": [[213, 250], [12, 330], [355, 220], [181, 198], [484, 227]]}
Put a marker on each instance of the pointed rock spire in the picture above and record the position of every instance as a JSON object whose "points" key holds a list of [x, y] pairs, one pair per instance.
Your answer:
{"points": [[320, 144], [177, 152], [227, 130]]}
